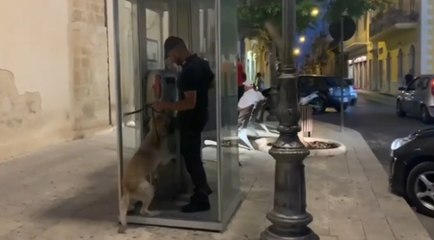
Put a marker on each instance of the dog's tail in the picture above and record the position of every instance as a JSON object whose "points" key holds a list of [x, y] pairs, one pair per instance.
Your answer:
{"points": [[123, 209]]}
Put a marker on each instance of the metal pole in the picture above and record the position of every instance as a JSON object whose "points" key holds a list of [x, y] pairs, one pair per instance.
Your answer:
{"points": [[289, 217], [342, 63]]}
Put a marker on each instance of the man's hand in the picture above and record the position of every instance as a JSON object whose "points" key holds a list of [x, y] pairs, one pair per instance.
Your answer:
{"points": [[159, 106]]}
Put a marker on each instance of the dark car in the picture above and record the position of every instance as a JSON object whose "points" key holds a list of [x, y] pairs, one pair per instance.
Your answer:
{"points": [[328, 88], [412, 169]]}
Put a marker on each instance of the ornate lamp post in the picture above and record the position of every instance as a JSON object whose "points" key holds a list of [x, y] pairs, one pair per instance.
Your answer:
{"points": [[289, 217]]}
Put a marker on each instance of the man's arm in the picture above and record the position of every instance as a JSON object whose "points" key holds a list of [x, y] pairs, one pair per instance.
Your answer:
{"points": [[188, 103]]}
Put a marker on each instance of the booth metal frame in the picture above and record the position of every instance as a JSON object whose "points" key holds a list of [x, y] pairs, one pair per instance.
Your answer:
{"points": [[225, 213]]}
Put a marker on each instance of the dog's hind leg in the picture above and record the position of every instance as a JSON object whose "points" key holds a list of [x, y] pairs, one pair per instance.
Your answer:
{"points": [[123, 209], [146, 194]]}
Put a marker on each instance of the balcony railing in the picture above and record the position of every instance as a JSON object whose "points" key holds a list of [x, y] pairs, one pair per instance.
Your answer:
{"points": [[386, 20]]}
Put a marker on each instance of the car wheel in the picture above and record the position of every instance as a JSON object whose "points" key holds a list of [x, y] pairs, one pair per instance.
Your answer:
{"points": [[420, 188], [399, 111], [318, 105], [426, 117]]}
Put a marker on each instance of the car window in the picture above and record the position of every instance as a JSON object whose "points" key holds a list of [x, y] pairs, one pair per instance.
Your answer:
{"points": [[423, 83], [349, 81], [305, 83], [335, 82]]}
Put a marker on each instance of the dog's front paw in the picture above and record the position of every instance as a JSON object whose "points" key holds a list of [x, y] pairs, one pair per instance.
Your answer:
{"points": [[122, 229], [151, 213]]}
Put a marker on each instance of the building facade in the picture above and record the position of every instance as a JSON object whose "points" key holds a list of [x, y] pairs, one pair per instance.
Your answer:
{"points": [[400, 44], [54, 73], [390, 44], [356, 50]]}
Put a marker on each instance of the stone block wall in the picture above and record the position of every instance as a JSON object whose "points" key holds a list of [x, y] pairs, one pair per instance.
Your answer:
{"points": [[89, 56], [54, 73]]}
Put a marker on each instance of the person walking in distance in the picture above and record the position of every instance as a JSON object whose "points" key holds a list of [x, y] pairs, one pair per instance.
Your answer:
{"points": [[241, 78], [195, 80]]}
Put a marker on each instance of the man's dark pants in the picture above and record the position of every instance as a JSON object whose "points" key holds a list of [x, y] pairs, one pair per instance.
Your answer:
{"points": [[191, 150], [240, 91]]}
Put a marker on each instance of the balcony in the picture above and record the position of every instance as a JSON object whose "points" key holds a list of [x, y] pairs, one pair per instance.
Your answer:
{"points": [[392, 21]]}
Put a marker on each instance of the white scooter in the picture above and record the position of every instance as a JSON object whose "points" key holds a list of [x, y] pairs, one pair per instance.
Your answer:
{"points": [[314, 100]]}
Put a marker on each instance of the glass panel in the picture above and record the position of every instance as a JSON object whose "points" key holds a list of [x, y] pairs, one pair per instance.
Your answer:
{"points": [[129, 77], [154, 38], [203, 43], [229, 161]]}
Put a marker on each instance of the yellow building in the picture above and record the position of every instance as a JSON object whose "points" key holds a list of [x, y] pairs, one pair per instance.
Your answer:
{"points": [[398, 44], [257, 58], [357, 53], [390, 44]]}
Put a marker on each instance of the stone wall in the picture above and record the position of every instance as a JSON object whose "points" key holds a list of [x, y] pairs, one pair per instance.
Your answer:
{"points": [[53, 73], [89, 56]]}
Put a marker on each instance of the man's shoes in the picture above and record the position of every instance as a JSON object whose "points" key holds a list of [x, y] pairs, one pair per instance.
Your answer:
{"points": [[199, 202], [206, 190], [196, 207]]}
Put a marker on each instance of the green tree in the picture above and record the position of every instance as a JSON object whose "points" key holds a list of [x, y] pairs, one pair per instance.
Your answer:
{"points": [[255, 14], [353, 8]]}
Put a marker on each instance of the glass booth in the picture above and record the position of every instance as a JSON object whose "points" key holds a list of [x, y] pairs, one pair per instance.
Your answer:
{"points": [[209, 29]]}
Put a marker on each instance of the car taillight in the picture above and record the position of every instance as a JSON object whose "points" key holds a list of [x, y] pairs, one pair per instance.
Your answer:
{"points": [[432, 87]]}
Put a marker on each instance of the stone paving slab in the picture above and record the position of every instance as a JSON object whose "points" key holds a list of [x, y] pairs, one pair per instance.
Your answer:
{"points": [[68, 192]]}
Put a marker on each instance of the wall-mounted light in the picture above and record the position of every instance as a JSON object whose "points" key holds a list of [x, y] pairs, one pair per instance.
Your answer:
{"points": [[296, 52]]}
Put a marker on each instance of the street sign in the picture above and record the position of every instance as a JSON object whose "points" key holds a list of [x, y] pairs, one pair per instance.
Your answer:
{"points": [[349, 29]]}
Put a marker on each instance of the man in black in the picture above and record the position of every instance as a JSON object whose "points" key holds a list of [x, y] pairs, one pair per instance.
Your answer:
{"points": [[408, 78], [195, 79]]}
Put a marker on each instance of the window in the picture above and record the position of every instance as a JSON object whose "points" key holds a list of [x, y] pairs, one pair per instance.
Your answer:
{"points": [[365, 22], [412, 59], [423, 83], [334, 82], [412, 6], [306, 84], [400, 64]]}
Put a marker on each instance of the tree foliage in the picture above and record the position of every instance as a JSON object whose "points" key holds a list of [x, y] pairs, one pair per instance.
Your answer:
{"points": [[353, 8], [253, 16]]}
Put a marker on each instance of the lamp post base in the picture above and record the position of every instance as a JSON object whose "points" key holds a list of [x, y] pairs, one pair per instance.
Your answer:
{"points": [[272, 116], [271, 234]]}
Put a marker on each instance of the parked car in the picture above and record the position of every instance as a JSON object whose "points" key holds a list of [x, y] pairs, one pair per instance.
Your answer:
{"points": [[417, 99], [329, 91], [412, 170], [353, 92]]}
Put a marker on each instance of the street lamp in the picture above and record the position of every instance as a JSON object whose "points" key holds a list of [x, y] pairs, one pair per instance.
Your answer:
{"points": [[302, 39], [296, 52], [314, 12], [289, 218]]}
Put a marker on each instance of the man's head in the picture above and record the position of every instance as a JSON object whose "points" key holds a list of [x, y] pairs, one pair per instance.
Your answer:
{"points": [[248, 85], [176, 50]]}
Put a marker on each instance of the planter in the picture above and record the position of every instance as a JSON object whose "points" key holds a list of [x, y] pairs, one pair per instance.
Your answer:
{"points": [[318, 147]]}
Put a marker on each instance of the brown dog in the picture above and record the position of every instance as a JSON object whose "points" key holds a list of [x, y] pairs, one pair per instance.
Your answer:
{"points": [[152, 152]]}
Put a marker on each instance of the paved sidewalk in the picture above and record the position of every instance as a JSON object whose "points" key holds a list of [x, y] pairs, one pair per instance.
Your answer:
{"points": [[68, 192]]}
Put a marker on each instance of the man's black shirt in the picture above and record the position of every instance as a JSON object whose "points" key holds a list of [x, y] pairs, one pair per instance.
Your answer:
{"points": [[196, 76]]}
